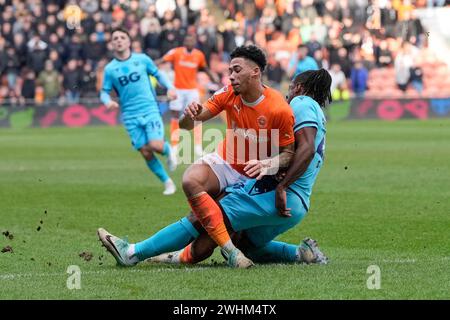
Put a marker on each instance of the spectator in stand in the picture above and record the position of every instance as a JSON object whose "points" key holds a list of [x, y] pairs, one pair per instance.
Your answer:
{"points": [[339, 88], [149, 22], [55, 43], [94, 50], [322, 63], [71, 82], [358, 77], [403, 64], [313, 45], [27, 86], [275, 72], [416, 78], [88, 81], [169, 38], [301, 62], [182, 12], [50, 80], [343, 30], [20, 47], [152, 40], [344, 61], [383, 56], [37, 53], [13, 67], [74, 48], [56, 60], [3, 55]]}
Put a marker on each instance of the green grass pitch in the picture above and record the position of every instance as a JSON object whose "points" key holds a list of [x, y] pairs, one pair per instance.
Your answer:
{"points": [[382, 198]]}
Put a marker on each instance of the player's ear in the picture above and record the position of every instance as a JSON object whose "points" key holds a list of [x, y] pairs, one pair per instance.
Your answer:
{"points": [[256, 72]]}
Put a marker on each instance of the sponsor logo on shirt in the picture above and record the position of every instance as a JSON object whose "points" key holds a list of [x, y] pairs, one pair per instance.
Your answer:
{"points": [[188, 64], [262, 121]]}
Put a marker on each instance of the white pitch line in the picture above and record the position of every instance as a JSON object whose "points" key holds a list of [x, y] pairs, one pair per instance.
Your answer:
{"points": [[13, 276]]}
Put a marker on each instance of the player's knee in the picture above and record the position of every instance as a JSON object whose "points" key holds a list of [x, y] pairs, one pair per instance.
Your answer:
{"points": [[198, 178], [146, 153], [156, 146], [190, 184]]}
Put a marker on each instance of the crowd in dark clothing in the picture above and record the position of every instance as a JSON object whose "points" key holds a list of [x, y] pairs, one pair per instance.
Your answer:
{"points": [[53, 50]]}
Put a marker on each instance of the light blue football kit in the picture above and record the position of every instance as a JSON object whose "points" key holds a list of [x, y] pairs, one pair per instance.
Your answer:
{"points": [[129, 78], [139, 107], [250, 206]]}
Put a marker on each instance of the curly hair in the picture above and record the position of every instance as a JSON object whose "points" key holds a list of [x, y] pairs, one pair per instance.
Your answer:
{"points": [[316, 84], [252, 53]]}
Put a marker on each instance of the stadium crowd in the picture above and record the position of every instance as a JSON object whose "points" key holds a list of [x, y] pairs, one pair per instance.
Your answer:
{"points": [[55, 50]]}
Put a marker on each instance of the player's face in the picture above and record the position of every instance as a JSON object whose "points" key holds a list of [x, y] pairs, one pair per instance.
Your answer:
{"points": [[120, 42], [241, 71], [294, 90], [189, 43]]}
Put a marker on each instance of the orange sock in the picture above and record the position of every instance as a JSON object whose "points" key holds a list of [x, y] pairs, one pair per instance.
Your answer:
{"points": [[198, 134], [174, 132], [186, 255], [210, 216]]}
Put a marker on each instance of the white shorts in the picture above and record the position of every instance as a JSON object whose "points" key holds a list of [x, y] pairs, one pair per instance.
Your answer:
{"points": [[224, 172], [184, 97]]}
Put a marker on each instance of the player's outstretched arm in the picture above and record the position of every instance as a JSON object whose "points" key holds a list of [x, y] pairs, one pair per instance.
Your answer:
{"points": [[210, 74], [194, 112]]}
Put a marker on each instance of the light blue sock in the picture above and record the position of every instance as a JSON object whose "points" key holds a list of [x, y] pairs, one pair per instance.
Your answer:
{"points": [[166, 149], [172, 238], [157, 168], [274, 252]]}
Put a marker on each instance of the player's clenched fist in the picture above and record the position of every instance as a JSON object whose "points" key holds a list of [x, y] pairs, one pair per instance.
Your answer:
{"points": [[112, 105], [193, 110], [172, 94]]}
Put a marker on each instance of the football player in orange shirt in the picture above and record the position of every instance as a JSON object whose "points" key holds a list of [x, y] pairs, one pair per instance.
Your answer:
{"points": [[258, 117], [186, 62]]}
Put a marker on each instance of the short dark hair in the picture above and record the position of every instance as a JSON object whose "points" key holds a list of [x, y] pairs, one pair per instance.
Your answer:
{"points": [[252, 53], [120, 29]]}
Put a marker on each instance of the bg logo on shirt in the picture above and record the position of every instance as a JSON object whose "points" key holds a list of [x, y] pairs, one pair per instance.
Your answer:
{"points": [[132, 77]]}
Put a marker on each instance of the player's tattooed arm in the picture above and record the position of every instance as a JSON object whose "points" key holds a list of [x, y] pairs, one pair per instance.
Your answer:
{"points": [[268, 167], [194, 112]]}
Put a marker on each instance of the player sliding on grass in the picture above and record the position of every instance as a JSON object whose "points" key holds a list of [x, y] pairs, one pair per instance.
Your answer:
{"points": [[128, 74], [261, 209], [255, 113]]}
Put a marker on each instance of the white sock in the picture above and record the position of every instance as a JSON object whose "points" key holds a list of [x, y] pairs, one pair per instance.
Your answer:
{"points": [[176, 256], [131, 256], [229, 246]]}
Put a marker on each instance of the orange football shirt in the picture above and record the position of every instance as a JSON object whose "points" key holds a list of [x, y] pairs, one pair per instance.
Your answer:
{"points": [[186, 66], [253, 129]]}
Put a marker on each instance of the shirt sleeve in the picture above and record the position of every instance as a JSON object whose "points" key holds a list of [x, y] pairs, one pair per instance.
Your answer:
{"points": [[216, 103], [305, 114], [169, 56], [202, 62], [106, 88], [153, 70], [285, 124]]}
